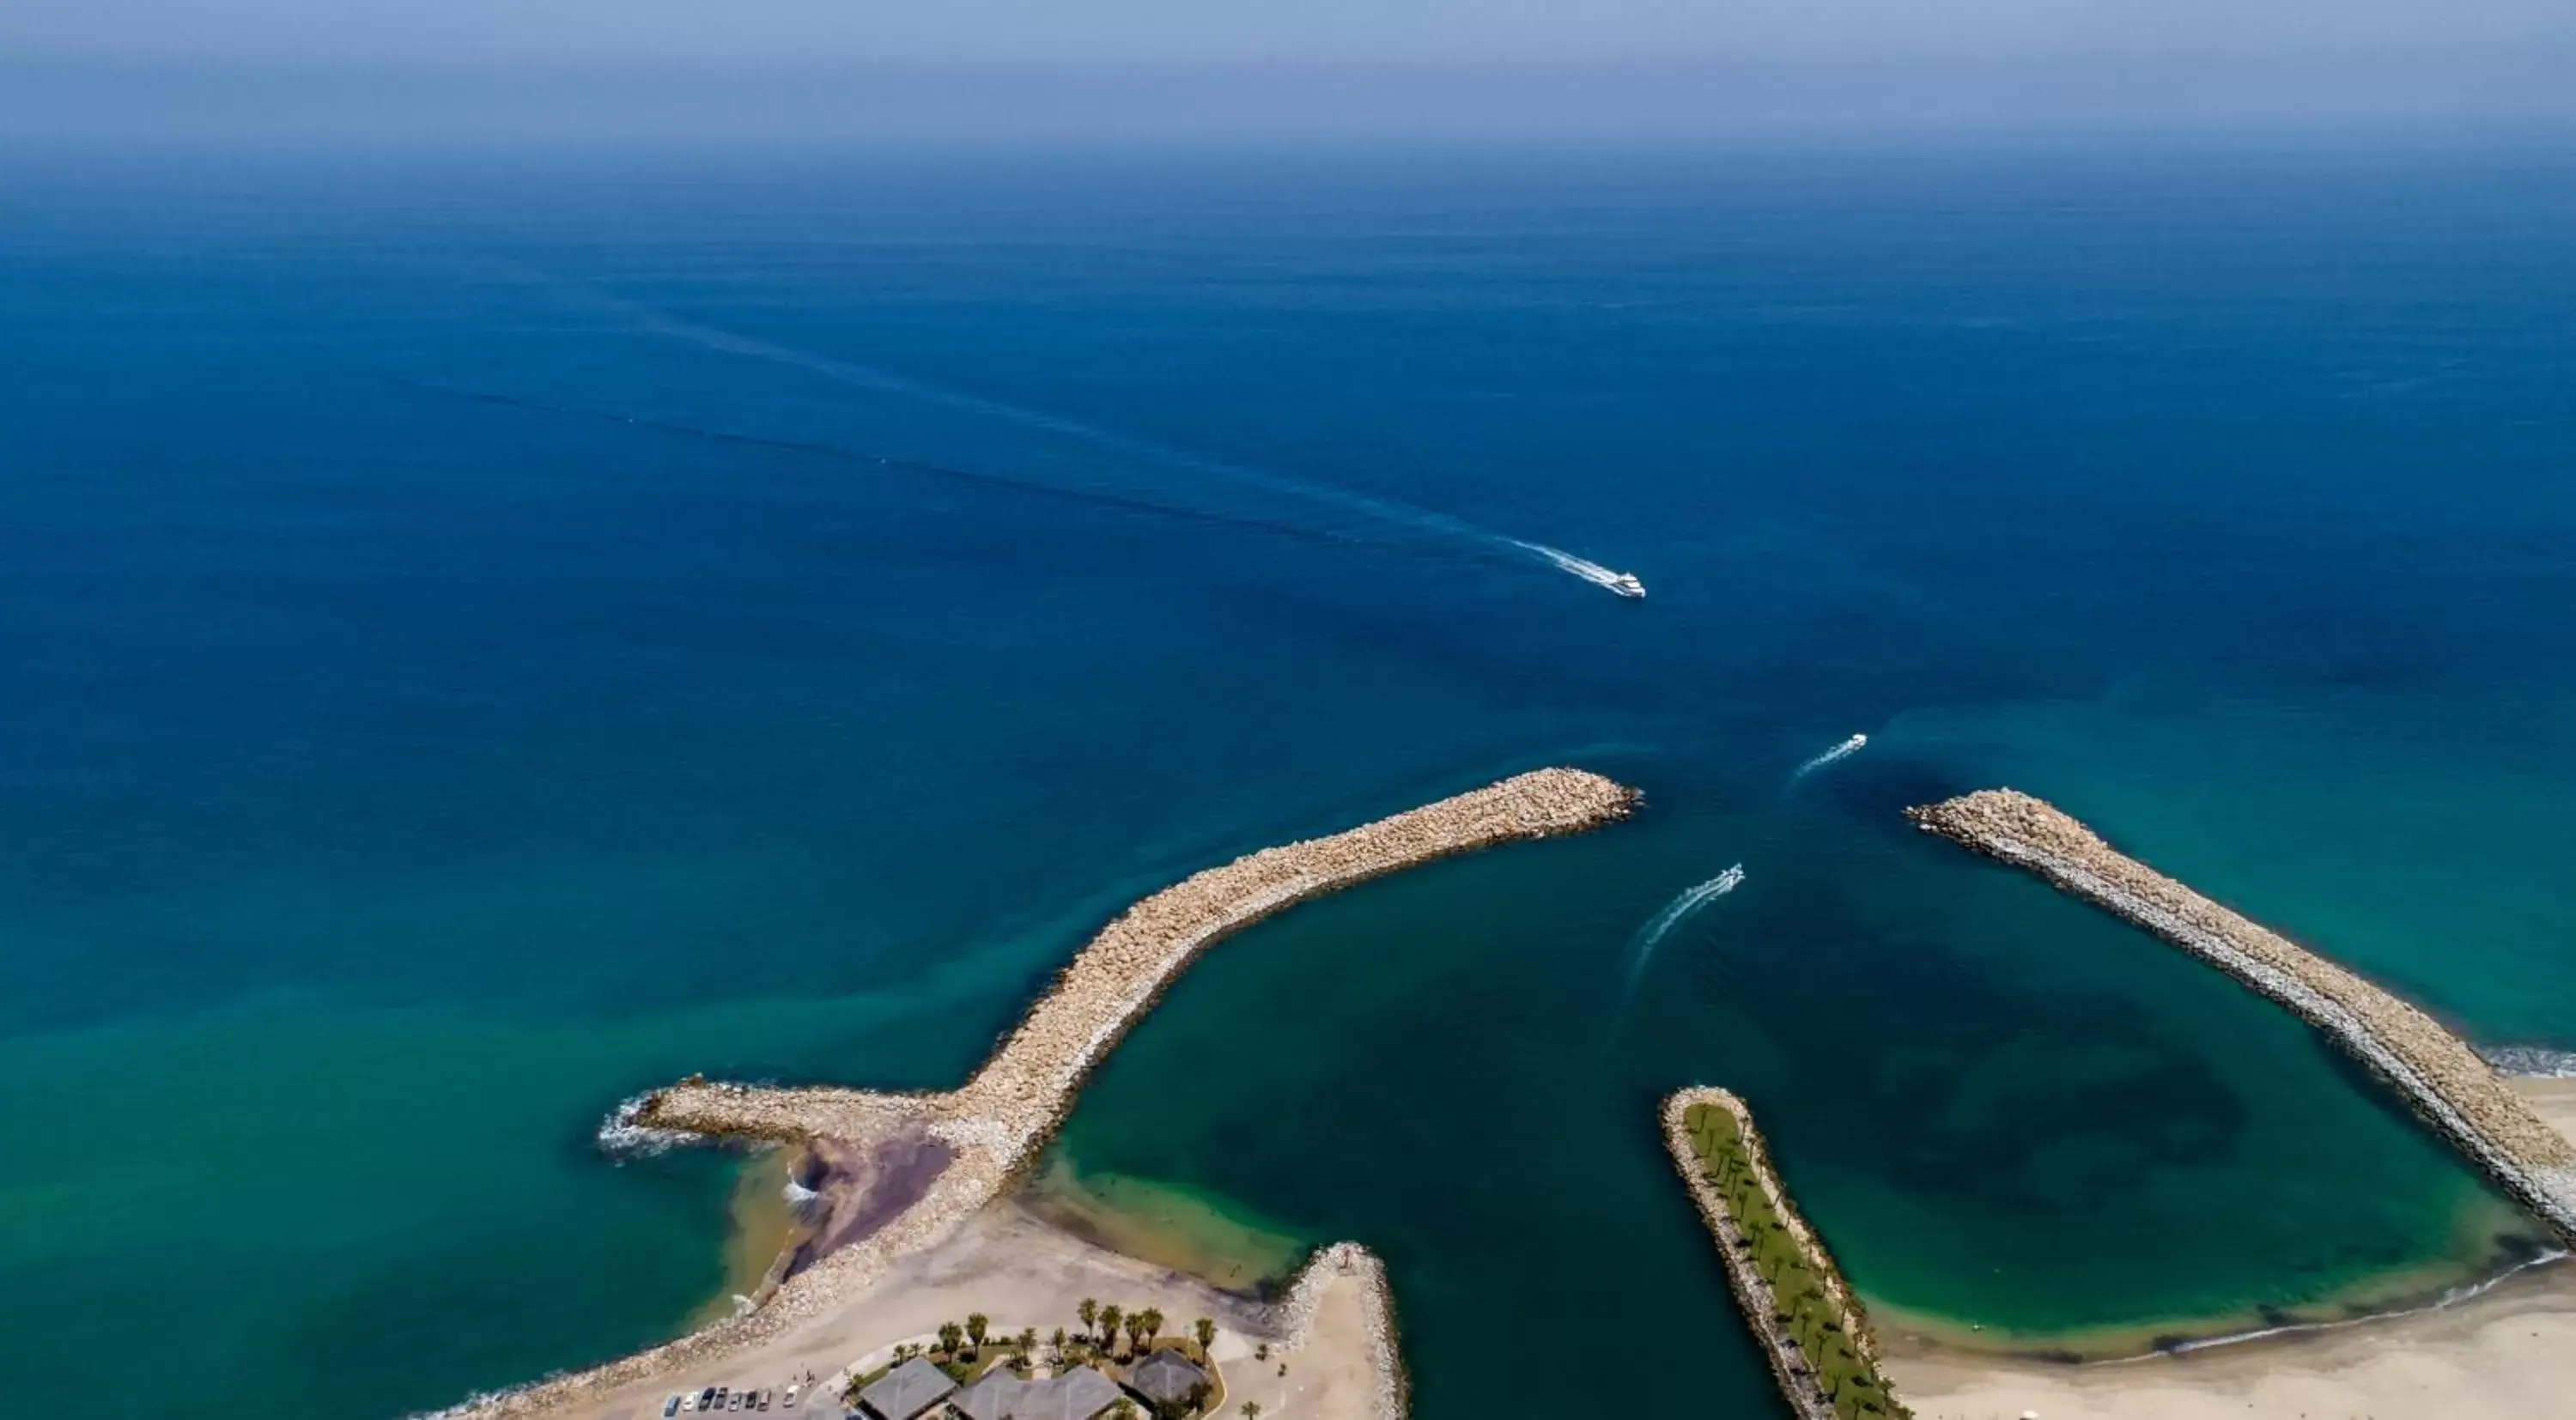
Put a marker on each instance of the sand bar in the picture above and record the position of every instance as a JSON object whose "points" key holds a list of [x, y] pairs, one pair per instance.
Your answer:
{"points": [[902, 1172], [2447, 1082]]}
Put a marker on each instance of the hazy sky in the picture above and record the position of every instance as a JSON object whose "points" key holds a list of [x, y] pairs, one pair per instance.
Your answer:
{"points": [[1133, 31], [688, 65]]}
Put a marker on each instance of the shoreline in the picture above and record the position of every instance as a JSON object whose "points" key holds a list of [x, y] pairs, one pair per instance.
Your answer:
{"points": [[762, 1231], [1908, 1331], [903, 1171], [2506, 1346], [1923, 1336], [2449, 1085], [1151, 1221], [2502, 1345]]}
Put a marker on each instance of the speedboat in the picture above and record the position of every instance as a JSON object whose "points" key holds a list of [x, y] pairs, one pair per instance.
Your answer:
{"points": [[1627, 585]]}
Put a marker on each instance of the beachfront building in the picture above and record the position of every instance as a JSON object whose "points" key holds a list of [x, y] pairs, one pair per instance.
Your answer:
{"points": [[995, 1397], [1168, 1381], [1078, 1394], [907, 1392]]}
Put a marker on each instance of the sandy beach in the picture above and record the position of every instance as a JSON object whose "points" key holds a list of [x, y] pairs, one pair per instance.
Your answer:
{"points": [[2510, 1351], [1021, 1271]]}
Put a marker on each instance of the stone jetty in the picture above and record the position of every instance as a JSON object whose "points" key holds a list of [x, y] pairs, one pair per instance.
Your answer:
{"points": [[1835, 1384], [1347, 1264], [2437, 1073], [914, 1166]]}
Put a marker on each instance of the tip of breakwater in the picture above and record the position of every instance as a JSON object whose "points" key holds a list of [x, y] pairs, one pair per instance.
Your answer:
{"points": [[625, 1134]]}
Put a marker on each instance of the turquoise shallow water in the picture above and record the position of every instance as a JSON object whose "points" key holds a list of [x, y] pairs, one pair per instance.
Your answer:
{"points": [[402, 778]]}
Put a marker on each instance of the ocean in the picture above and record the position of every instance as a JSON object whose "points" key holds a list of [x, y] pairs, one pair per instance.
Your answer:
{"points": [[487, 635]]}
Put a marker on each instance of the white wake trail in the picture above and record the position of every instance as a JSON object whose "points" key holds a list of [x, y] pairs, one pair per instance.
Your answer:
{"points": [[1676, 912], [1385, 510], [1845, 750], [1565, 561]]}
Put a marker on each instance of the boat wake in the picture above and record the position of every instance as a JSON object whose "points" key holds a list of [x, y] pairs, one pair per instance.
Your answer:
{"points": [[1688, 902], [1845, 750], [888, 462], [1385, 510], [1624, 583]]}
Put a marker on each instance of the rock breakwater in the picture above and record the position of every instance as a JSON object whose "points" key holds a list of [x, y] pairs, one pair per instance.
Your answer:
{"points": [[1347, 1264], [2446, 1082], [1810, 1378], [958, 1151]]}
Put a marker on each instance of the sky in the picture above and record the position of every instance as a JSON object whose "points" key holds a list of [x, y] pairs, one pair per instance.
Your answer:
{"points": [[994, 66]]}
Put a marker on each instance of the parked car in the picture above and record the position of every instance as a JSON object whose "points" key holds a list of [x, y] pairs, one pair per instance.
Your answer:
{"points": [[670, 1407], [790, 1402]]}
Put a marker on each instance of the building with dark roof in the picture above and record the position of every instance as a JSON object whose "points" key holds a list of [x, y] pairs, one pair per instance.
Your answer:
{"points": [[1078, 1394], [996, 1395], [907, 1391], [1168, 1378]]}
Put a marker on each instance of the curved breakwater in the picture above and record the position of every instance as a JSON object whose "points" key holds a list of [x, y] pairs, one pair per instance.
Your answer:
{"points": [[923, 1163], [2440, 1076]]}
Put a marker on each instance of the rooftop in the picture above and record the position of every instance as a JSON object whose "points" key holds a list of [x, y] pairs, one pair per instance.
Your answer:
{"points": [[1076, 1395], [1166, 1376], [998, 1394], [906, 1391]]}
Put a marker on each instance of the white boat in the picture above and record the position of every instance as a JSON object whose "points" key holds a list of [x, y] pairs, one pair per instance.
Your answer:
{"points": [[1627, 585]]}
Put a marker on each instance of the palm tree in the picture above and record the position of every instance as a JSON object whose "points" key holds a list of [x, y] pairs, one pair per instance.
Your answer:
{"points": [[950, 1333], [1136, 1333], [977, 1324], [1252, 1410], [1109, 1316], [1205, 1328], [1028, 1339], [1153, 1323], [1089, 1311]]}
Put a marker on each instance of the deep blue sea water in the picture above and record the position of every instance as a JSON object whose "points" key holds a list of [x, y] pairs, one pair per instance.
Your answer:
{"points": [[483, 637]]}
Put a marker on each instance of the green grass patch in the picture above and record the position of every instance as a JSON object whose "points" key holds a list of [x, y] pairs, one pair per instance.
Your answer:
{"points": [[1801, 1294]]}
